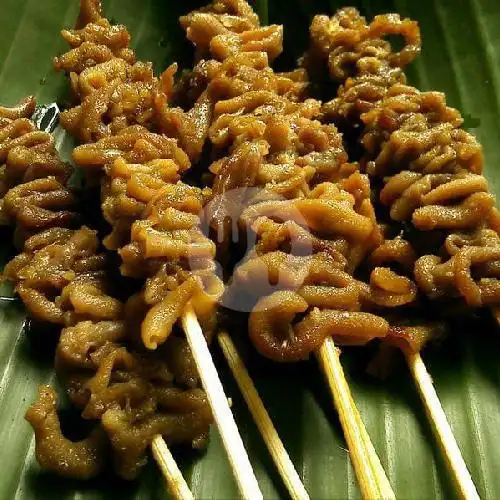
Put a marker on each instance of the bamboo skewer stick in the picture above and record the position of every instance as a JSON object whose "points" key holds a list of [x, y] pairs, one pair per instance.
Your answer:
{"points": [[373, 457], [237, 455], [176, 483], [262, 420], [371, 476], [442, 430]]}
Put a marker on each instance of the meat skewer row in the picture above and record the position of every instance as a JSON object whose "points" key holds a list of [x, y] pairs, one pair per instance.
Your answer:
{"points": [[197, 85], [166, 120], [426, 168], [282, 135], [313, 287], [62, 277], [154, 216], [429, 169], [260, 115]]}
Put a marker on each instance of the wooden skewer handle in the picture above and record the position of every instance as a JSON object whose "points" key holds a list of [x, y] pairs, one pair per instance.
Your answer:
{"points": [[371, 476], [379, 471], [237, 455], [262, 419], [442, 430], [176, 483]]}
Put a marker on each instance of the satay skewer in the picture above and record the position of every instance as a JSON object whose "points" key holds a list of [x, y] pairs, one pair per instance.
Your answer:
{"points": [[223, 417], [232, 441], [372, 478], [441, 428], [262, 419], [233, 444], [46, 119], [360, 75]]}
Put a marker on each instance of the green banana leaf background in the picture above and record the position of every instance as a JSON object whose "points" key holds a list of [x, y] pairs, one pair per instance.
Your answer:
{"points": [[461, 56]]}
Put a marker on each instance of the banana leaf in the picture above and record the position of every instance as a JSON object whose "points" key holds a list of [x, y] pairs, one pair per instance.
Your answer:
{"points": [[461, 56]]}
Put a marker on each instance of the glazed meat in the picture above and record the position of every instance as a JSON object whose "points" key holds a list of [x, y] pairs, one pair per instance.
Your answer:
{"points": [[429, 169], [34, 193], [154, 216], [284, 175], [64, 278]]}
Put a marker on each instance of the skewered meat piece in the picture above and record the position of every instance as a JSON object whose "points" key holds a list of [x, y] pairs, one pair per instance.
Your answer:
{"points": [[228, 27], [427, 168], [63, 278], [34, 193]]}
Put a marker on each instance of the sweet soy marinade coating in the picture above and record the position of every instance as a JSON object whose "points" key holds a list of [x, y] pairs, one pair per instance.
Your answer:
{"points": [[378, 66], [63, 276], [308, 207], [427, 169]]}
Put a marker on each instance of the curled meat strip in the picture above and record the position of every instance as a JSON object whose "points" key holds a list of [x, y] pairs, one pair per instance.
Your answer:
{"points": [[388, 289], [59, 277], [348, 44], [83, 459], [316, 289], [327, 211], [105, 376], [271, 330], [134, 144], [33, 179], [471, 271], [189, 415], [412, 338], [229, 27], [189, 128]]}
